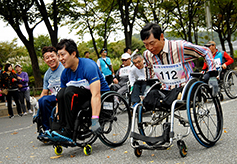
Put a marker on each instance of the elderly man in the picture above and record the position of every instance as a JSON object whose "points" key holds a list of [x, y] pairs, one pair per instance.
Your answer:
{"points": [[121, 77]]}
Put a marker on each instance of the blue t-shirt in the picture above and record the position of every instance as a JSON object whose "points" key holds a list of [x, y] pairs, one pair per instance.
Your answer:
{"points": [[52, 79], [86, 70]]}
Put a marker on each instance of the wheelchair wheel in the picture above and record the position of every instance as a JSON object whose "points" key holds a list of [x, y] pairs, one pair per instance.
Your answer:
{"points": [[84, 134], [204, 114], [230, 84], [115, 119], [148, 124], [58, 149]]}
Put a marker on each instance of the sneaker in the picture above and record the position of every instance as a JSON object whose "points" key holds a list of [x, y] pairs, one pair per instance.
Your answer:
{"points": [[13, 103], [24, 114], [6, 103], [20, 114], [11, 116], [30, 111]]}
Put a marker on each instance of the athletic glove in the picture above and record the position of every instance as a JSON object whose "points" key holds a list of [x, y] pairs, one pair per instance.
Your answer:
{"points": [[95, 126], [213, 85]]}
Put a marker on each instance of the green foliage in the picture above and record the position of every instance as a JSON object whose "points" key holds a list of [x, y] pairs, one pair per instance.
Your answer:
{"points": [[41, 41]]}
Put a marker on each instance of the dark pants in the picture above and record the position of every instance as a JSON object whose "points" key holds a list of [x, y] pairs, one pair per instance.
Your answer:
{"points": [[70, 100], [46, 105], [15, 96], [24, 95], [138, 89], [109, 79]]}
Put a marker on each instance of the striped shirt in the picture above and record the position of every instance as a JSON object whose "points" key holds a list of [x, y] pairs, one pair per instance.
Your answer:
{"points": [[179, 51]]}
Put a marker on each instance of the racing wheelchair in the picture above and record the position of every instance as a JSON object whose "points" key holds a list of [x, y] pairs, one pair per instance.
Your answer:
{"points": [[115, 122], [156, 127]]}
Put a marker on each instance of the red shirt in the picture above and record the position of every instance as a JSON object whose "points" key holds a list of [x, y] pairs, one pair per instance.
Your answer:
{"points": [[227, 57]]}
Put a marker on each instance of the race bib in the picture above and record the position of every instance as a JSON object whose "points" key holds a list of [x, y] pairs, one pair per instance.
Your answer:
{"points": [[124, 71], [82, 83], [217, 62], [172, 74], [54, 88]]}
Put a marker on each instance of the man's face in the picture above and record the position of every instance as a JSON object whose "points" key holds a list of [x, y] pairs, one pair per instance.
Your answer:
{"points": [[51, 59], [154, 45], [213, 48], [87, 55], [104, 53], [18, 69], [138, 62], [65, 58], [126, 62], [129, 51]]}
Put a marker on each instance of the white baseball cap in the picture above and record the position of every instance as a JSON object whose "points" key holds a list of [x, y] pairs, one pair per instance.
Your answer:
{"points": [[18, 65], [126, 56]]}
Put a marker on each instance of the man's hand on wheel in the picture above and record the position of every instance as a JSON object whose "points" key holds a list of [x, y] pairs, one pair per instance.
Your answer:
{"points": [[95, 126]]}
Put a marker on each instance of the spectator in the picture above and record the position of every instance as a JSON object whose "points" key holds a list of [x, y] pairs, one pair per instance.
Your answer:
{"points": [[2, 97], [87, 54], [121, 77], [51, 83], [80, 81], [105, 65], [222, 59], [9, 81], [1, 66], [24, 90], [128, 50], [137, 78]]}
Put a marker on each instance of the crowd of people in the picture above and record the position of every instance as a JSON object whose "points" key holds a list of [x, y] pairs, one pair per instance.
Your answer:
{"points": [[72, 80]]}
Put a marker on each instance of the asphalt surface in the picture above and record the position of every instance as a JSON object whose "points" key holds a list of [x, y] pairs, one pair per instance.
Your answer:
{"points": [[18, 144]]}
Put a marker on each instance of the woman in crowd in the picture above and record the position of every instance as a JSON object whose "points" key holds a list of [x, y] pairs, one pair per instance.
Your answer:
{"points": [[9, 81]]}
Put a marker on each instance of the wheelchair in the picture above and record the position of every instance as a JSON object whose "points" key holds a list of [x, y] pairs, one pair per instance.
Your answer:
{"points": [[156, 127], [115, 122], [227, 80]]}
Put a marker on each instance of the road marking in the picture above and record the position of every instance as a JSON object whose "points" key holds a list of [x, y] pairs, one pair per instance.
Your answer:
{"points": [[15, 130]]}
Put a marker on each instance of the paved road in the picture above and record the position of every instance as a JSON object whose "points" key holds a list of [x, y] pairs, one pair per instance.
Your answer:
{"points": [[19, 145]]}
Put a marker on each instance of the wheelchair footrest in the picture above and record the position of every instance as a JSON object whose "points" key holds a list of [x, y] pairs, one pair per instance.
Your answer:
{"points": [[151, 140]]}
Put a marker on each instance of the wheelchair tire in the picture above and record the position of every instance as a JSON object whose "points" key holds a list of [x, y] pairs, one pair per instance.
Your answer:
{"points": [[230, 84], [115, 119], [204, 114]]}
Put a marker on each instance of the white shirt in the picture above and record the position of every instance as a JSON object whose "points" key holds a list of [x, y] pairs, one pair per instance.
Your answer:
{"points": [[136, 74]]}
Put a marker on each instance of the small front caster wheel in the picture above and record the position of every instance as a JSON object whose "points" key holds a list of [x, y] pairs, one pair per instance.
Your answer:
{"points": [[58, 150], [183, 150], [87, 150], [138, 152]]}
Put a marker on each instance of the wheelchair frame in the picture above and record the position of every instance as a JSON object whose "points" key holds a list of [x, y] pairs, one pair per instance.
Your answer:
{"points": [[195, 96], [115, 121]]}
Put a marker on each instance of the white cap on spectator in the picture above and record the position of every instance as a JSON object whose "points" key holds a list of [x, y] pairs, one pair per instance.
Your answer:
{"points": [[18, 65], [126, 56]]}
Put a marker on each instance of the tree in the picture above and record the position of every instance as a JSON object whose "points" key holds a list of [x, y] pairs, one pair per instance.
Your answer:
{"points": [[10, 49], [187, 15], [224, 15], [17, 13], [128, 13]]}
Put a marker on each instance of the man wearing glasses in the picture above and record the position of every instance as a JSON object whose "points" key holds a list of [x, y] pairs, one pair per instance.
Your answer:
{"points": [[105, 65], [221, 58], [121, 77]]}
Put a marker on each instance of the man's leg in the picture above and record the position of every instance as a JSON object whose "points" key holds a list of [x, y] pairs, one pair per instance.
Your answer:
{"points": [[46, 104], [21, 98], [135, 93], [27, 97]]}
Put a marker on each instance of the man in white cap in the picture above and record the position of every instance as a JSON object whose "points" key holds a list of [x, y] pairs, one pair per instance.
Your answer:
{"points": [[24, 90], [121, 77]]}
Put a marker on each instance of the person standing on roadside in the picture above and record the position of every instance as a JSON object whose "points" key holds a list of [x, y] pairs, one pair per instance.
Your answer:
{"points": [[105, 65], [24, 90], [9, 82]]}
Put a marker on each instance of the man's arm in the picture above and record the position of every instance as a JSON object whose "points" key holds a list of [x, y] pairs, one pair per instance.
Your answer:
{"points": [[95, 98], [44, 92], [228, 59]]}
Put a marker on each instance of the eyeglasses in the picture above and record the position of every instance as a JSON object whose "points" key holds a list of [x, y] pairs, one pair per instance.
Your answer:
{"points": [[124, 60], [105, 51], [138, 62], [210, 45]]}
